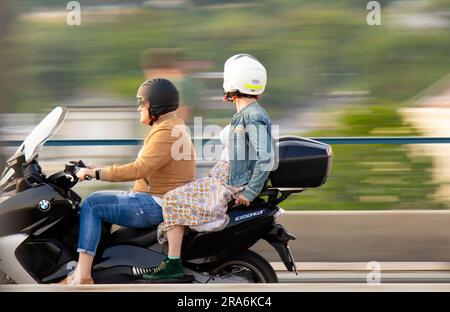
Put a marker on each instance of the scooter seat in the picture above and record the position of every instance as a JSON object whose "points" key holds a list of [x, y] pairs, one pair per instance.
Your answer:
{"points": [[138, 237]]}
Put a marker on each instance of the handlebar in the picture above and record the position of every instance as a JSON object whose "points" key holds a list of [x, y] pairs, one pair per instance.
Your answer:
{"points": [[73, 167]]}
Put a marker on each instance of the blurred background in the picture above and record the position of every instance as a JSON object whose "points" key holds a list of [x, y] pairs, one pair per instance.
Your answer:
{"points": [[330, 74]]}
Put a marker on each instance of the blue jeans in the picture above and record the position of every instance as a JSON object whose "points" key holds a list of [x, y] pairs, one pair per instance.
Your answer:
{"points": [[129, 209]]}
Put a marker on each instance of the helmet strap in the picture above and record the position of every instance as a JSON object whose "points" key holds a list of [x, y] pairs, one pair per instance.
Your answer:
{"points": [[229, 97], [153, 117], [232, 96]]}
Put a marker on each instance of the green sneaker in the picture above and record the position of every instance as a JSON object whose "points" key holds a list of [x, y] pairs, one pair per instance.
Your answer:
{"points": [[167, 270]]}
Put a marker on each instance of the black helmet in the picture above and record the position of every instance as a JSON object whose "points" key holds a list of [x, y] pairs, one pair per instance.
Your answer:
{"points": [[162, 95]]}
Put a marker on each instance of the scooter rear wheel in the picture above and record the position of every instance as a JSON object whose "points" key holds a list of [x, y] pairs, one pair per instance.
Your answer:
{"points": [[248, 266]]}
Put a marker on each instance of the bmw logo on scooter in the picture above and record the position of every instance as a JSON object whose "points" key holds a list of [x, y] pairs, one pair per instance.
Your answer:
{"points": [[44, 205]]}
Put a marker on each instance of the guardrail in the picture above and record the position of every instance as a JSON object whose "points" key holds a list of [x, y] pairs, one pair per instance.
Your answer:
{"points": [[327, 140]]}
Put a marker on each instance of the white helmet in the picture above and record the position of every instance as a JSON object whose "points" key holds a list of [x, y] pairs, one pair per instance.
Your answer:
{"points": [[244, 73]]}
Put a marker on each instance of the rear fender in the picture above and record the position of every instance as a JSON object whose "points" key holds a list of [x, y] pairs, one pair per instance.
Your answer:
{"points": [[279, 238]]}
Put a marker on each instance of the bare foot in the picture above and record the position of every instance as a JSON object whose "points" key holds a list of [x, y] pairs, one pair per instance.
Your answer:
{"points": [[82, 281], [75, 279]]}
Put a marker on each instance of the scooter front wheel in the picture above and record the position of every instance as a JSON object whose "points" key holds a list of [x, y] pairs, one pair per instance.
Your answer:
{"points": [[4, 279]]}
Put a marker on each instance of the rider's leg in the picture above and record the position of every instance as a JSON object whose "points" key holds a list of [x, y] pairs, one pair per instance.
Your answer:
{"points": [[175, 238], [171, 268], [82, 273], [138, 210]]}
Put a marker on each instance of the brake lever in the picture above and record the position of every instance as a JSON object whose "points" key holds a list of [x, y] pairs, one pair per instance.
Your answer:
{"points": [[79, 164]]}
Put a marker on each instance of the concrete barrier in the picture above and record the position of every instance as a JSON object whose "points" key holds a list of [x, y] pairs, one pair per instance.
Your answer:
{"points": [[363, 236]]}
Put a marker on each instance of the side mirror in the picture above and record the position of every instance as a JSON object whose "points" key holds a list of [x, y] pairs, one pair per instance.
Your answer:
{"points": [[16, 163]]}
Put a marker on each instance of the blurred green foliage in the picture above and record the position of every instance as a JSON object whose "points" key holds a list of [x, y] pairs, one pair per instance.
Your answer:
{"points": [[371, 177], [309, 48]]}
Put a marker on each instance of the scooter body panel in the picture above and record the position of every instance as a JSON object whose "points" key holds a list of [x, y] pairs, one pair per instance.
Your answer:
{"points": [[32, 209], [245, 228]]}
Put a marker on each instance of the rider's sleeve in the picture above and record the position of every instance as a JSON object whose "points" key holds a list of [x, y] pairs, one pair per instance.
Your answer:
{"points": [[260, 141], [155, 153]]}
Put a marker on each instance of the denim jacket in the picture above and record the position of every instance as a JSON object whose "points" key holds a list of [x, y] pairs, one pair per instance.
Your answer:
{"points": [[251, 151]]}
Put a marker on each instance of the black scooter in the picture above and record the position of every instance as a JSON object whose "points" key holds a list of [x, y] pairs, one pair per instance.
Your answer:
{"points": [[39, 222]]}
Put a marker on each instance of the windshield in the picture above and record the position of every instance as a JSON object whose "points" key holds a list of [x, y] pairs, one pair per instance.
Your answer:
{"points": [[7, 174], [42, 132], [36, 139]]}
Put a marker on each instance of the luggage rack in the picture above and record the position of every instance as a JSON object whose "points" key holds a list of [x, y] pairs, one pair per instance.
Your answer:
{"points": [[274, 198], [274, 192]]}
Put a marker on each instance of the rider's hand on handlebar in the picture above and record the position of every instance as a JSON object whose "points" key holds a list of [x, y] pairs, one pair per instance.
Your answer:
{"points": [[242, 200], [82, 173]]}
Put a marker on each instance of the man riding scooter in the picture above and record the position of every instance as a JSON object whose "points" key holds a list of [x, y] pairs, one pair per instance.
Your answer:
{"points": [[155, 172]]}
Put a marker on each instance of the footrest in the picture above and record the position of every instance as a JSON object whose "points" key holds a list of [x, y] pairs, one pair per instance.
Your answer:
{"points": [[182, 280]]}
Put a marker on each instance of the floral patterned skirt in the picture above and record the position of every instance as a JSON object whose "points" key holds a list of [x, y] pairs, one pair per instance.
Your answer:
{"points": [[201, 204]]}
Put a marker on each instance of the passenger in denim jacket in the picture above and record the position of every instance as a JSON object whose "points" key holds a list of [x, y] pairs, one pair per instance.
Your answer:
{"points": [[245, 170], [251, 150]]}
